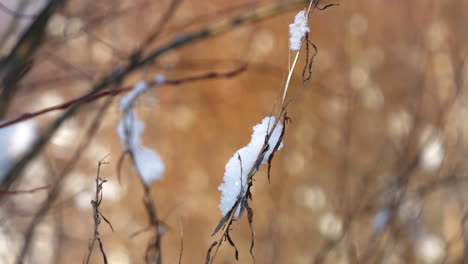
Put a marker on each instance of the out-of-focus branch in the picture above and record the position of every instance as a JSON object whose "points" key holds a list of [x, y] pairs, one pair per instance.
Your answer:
{"points": [[20, 58], [158, 27], [26, 191], [13, 25], [14, 13], [114, 92]]}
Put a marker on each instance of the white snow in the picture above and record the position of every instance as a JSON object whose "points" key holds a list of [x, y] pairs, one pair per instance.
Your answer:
{"points": [[235, 184], [127, 102], [15, 140], [298, 30], [432, 155], [129, 130], [148, 163]]}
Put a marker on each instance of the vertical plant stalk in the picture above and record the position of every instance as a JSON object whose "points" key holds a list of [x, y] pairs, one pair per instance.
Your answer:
{"points": [[97, 216], [242, 201]]}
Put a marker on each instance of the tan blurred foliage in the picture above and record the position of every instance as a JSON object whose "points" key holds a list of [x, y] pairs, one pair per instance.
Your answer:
{"points": [[388, 81]]}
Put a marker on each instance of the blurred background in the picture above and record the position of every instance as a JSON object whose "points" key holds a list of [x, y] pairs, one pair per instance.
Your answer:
{"points": [[372, 169]]}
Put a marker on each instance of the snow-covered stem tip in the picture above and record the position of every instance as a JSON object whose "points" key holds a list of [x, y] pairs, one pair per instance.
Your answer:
{"points": [[297, 33], [147, 162], [298, 30]]}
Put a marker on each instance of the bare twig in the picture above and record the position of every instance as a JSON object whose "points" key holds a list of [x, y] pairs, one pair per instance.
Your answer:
{"points": [[181, 252], [14, 13], [97, 215], [25, 191], [117, 91], [153, 250]]}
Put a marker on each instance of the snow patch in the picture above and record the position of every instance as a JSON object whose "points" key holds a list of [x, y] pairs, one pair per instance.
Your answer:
{"points": [[298, 30], [148, 163], [240, 164]]}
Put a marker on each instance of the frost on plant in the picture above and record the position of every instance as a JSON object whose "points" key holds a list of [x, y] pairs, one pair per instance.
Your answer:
{"points": [[240, 164], [298, 30], [127, 102], [148, 163], [15, 140], [129, 130]]}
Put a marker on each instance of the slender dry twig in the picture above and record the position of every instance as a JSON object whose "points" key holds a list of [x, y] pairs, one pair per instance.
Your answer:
{"points": [[181, 251], [117, 91], [153, 250], [242, 201], [97, 215], [14, 13]]}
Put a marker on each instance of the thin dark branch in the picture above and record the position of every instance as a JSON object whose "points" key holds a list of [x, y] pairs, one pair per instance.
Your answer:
{"points": [[19, 61], [327, 6], [114, 92], [181, 252], [13, 25], [15, 14], [159, 26], [97, 215], [25, 191]]}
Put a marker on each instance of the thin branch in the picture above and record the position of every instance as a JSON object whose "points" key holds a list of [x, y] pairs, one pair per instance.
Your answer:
{"points": [[158, 27], [25, 191], [114, 92], [15, 14], [97, 215], [181, 252], [19, 60]]}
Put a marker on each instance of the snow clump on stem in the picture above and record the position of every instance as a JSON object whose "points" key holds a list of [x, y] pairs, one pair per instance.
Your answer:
{"points": [[298, 30], [147, 162], [242, 162]]}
